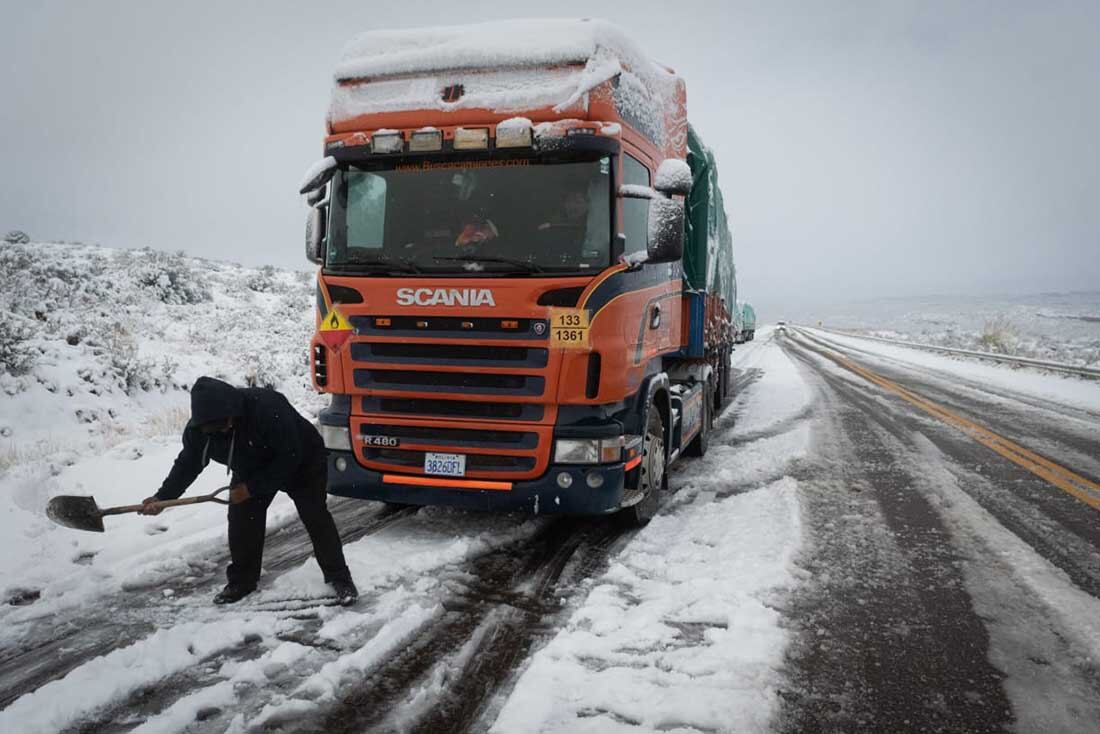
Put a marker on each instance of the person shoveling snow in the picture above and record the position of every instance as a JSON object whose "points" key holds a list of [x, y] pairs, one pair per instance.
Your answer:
{"points": [[268, 446]]}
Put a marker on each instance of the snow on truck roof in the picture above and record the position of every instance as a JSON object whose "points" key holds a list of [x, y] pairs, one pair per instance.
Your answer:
{"points": [[504, 66], [496, 44]]}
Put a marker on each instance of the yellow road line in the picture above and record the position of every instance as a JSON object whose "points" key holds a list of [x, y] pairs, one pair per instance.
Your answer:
{"points": [[1080, 487]]}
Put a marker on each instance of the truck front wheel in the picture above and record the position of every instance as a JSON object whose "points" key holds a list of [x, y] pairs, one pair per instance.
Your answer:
{"points": [[640, 502]]}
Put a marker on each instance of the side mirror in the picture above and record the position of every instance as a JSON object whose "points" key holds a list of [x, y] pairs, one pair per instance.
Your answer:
{"points": [[666, 230], [315, 233], [319, 174], [673, 178]]}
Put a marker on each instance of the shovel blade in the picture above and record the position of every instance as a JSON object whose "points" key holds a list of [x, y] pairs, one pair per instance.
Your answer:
{"points": [[78, 513]]}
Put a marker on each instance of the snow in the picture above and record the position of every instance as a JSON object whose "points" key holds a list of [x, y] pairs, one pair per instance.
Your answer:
{"points": [[118, 338], [678, 632], [636, 191], [673, 174], [315, 173], [1044, 630], [60, 703], [514, 123], [1060, 327], [504, 66], [682, 632], [1069, 391], [503, 91], [506, 43]]}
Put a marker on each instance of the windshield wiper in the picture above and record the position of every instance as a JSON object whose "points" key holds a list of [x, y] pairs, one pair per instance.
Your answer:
{"points": [[525, 265], [377, 266]]}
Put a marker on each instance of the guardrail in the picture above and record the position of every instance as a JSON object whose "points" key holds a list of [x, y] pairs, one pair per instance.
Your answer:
{"points": [[1086, 372]]}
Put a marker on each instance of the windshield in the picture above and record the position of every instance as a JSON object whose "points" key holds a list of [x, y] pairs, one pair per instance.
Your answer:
{"points": [[473, 216]]}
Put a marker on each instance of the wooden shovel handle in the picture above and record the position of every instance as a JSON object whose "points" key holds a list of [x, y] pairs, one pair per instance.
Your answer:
{"points": [[212, 497]]}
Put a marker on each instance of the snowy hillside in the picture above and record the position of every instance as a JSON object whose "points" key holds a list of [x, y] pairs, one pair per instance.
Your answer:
{"points": [[102, 343], [98, 347], [1063, 327]]}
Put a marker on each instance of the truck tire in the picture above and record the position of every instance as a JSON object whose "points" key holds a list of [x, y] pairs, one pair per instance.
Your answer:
{"points": [[645, 499], [699, 444]]}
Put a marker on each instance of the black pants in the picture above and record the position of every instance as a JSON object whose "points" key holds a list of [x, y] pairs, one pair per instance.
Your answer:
{"points": [[248, 525]]}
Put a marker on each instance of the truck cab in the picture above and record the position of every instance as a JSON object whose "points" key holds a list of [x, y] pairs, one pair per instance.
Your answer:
{"points": [[502, 316]]}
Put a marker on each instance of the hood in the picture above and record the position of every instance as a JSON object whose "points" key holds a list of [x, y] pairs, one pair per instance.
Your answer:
{"points": [[214, 400]]}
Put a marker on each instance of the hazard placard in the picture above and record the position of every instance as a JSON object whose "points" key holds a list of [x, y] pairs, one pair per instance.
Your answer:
{"points": [[569, 328], [335, 329]]}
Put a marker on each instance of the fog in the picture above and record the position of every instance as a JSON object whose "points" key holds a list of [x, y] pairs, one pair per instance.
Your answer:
{"points": [[865, 149]]}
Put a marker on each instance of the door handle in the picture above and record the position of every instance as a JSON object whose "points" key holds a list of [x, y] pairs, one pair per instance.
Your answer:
{"points": [[655, 317]]}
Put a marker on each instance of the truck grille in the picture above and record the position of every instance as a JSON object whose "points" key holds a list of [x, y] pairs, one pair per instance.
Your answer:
{"points": [[464, 382], [449, 354], [531, 412], [430, 377], [453, 436]]}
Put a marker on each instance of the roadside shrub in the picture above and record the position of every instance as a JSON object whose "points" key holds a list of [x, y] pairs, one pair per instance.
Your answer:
{"points": [[124, 365], [16, 237], [17, 356], [263, 280], [999, 335], [167, 277]]}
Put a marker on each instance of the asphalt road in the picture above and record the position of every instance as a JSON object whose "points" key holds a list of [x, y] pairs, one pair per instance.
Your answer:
{"points": [[944, 578]]}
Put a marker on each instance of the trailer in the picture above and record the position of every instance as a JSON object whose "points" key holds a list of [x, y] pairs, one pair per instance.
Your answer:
{"points": [[748, 323]]}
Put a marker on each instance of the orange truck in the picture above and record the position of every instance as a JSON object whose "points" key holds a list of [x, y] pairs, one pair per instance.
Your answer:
{"points": [[526, 289]]}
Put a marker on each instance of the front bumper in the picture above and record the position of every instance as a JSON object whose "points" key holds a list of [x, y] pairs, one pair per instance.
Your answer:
{"points": [[538, 496]]}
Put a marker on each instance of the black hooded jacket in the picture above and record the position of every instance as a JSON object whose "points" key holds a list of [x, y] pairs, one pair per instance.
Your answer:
{"points": [[269, 447]]}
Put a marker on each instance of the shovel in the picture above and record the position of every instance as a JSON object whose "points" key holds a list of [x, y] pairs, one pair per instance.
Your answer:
{"points": [[82, 513]]}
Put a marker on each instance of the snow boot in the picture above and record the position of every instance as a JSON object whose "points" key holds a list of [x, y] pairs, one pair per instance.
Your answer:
{"points": [[346, 593], [233, 593]]}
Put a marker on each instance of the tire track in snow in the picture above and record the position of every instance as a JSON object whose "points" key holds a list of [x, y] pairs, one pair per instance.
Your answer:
{"points": [[501, 604], [57, 645]]}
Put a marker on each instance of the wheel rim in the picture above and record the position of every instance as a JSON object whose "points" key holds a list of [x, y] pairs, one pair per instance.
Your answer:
{"points": [[654, 465]]}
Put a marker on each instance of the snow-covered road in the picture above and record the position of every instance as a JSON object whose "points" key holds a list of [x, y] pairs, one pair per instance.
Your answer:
{"points": [[838, 560]]}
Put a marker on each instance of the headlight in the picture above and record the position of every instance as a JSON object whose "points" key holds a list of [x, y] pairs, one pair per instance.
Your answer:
{"points": [[588, 450], [336, 438]]}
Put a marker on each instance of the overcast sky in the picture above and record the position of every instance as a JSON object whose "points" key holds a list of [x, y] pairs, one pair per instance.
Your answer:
{"points": [[864, 149]]}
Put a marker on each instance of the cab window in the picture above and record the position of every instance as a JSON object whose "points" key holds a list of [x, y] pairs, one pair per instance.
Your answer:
{"points": [[635, 211]]}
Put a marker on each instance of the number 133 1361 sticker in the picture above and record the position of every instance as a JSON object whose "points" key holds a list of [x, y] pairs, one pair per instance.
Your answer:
{"points": [[569, 328]]}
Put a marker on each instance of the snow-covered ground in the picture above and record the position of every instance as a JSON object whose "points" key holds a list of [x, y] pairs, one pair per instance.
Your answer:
{"points": [[1066, 390], [103, 344], [1063, 327], [679, 634]]}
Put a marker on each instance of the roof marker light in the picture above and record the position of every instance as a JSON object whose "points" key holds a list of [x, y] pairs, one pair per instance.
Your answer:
{"points": [[387, 141], [513, 136], [471, 138], [426, 140]]}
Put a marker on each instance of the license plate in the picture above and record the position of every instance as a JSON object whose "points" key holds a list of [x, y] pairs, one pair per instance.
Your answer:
{"points": [[447, 465]]}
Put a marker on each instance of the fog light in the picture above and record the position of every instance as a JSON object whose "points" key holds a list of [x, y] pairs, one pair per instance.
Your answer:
{"points": [[565, 480], [341, 464], [594, 480], [336, 438]]}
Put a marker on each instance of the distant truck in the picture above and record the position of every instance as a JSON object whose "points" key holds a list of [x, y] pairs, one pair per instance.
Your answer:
{"points": [[527, 295], [748, 323]]}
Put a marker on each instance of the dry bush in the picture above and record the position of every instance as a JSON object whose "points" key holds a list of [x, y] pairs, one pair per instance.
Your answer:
{"points": [[999, 335]]}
